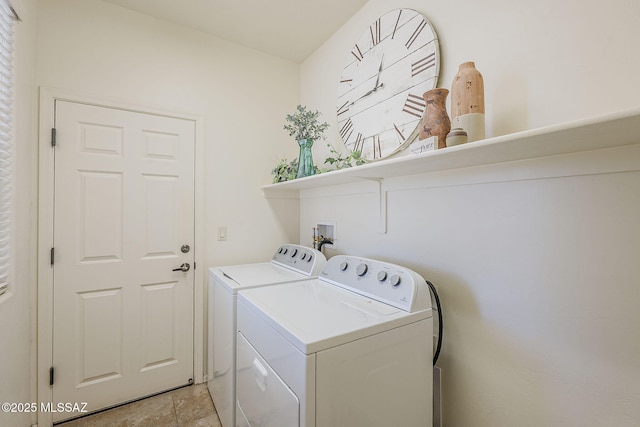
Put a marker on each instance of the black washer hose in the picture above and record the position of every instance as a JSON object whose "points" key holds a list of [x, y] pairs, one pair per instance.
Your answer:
{"points": [[439, 345]]}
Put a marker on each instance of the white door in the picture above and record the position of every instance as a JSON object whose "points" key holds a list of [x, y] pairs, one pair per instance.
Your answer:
{"points": [[124, 211]]}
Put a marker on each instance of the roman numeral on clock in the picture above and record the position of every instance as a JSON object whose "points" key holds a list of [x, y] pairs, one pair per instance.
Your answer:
{"points": [[423, 64], [346, 130], [415, 34], [402, 138], [375, 32], [396, 26], [359, 145], [357, 53], [343, 108], [414, 105], [377, 149]]}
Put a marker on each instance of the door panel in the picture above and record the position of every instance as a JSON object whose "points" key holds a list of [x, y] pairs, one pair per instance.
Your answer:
{"points": [[158, 313], [99, 336], [123, 207], [162, 196], [100, 202]]}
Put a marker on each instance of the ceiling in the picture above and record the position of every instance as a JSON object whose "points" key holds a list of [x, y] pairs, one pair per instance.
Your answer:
{"points": [[290, 29]]}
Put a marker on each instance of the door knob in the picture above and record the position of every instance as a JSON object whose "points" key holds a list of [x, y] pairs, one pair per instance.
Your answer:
{"points": [[183, 267]]}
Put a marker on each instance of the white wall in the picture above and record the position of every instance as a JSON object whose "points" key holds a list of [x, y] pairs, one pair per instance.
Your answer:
{"points": [[16, 356], [538, 276], [542, 62], [101, 50]]}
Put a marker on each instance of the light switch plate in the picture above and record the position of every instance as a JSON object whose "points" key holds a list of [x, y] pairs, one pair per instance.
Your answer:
{"points": [[222, 233]]}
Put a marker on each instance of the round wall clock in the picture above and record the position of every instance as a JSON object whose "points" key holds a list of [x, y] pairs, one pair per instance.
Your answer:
{"points": [[388, 69]]}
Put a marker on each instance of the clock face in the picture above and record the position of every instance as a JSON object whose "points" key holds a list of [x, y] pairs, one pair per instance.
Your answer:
{"points": [[388, 69]]}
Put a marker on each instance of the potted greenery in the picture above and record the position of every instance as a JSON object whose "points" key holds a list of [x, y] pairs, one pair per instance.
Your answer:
{"points": [[306, 128], [285, 170], [338, 162]]}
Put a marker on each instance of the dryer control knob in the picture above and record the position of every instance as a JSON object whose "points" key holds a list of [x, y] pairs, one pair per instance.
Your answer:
{"points": [[382, 276], [362, 269], [294, 253], [395, 280], [343, 266]]}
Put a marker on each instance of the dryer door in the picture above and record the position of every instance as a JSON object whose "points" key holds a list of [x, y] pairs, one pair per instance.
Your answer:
{"points": [[263, 399]]}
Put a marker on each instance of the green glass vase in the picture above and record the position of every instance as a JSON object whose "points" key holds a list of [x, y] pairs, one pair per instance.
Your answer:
{"points": [[305, 160]]}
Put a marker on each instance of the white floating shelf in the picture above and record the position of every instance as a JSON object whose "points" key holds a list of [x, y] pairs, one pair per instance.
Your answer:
{"points": [[597, 133]]}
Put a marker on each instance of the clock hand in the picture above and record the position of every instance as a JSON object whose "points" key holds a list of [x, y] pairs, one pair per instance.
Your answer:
{"points": [[381, 85], [376, 86]]}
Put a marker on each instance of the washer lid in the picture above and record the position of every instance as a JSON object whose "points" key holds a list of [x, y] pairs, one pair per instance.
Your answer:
{"points": [[235, 277], [314, 315]]}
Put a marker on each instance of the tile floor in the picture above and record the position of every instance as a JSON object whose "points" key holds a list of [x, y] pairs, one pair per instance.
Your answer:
{"points": [[188, 406]]}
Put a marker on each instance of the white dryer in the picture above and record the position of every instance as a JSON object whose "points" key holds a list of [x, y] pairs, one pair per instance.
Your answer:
{"points": [[353, 348], [290, 263]]}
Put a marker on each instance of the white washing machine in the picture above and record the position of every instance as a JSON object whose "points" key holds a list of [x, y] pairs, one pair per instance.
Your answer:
{"points": [[290, 263], [353, 348]]}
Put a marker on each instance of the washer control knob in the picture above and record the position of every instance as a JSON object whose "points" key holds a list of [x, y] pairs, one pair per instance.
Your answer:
{"points": [[395, 280], [343, 266], [309, 258], [284, 251], [382, 276], [280, 250], [294, 253], [362, 269]]}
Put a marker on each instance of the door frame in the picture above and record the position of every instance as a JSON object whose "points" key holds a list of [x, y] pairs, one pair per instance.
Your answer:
{"points": [[46, 188]]}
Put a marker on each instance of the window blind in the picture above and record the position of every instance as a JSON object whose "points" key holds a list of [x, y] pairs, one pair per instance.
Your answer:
{"points": [[7, 19]]}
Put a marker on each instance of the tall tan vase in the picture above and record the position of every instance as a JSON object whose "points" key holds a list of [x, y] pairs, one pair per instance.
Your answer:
{"points": [[435, 121], [467, 101]]}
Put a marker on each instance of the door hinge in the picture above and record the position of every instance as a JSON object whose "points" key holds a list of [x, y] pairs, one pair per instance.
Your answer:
{"points": [[52, 255], [194, 265], [51, 372], [53, 137]]}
